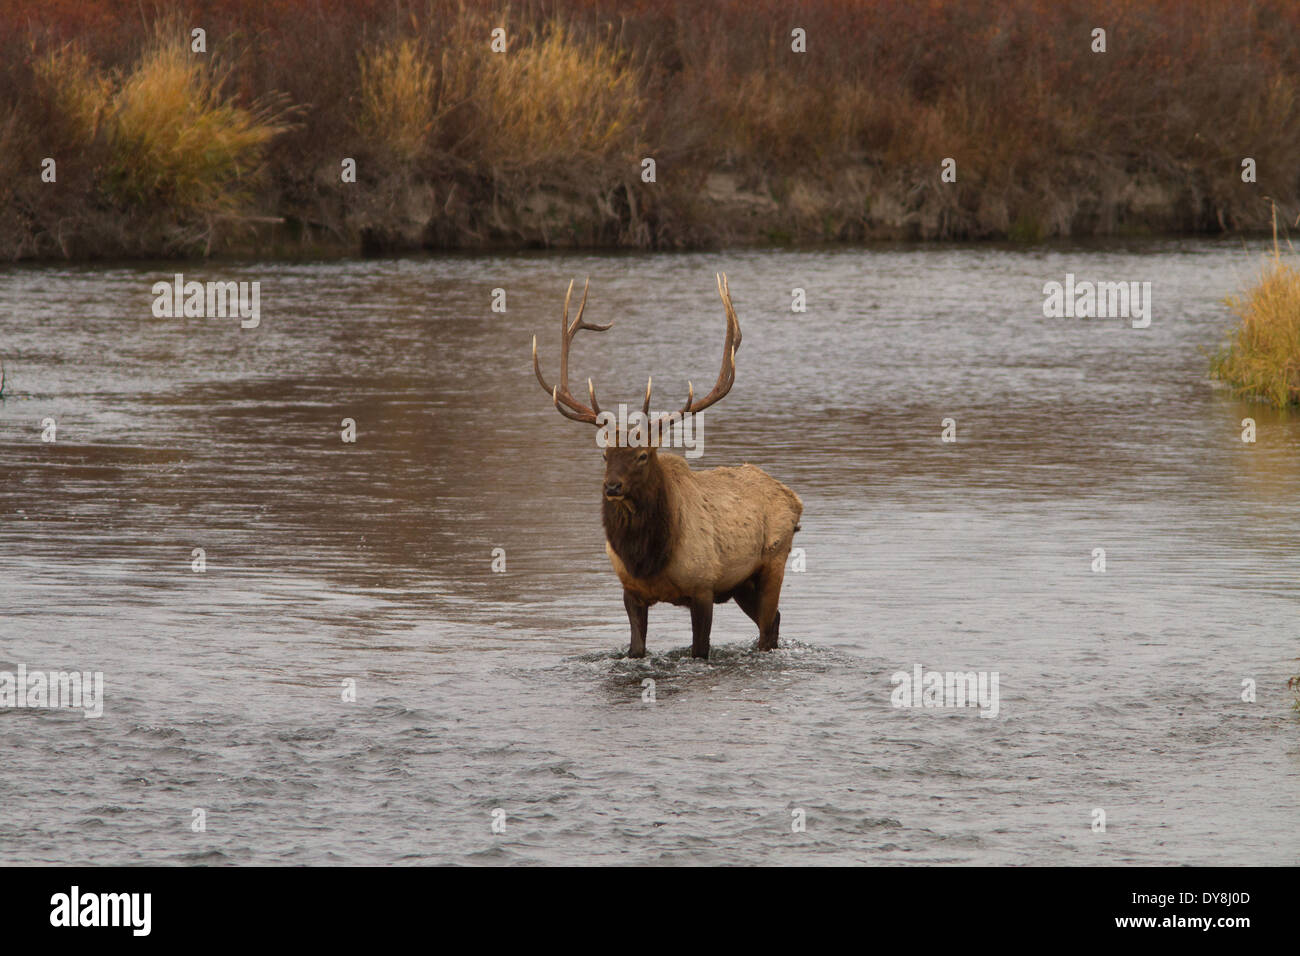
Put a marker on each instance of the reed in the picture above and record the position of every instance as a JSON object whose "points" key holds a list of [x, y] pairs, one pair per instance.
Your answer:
{"points": [[399, 96], [1262, 356]]}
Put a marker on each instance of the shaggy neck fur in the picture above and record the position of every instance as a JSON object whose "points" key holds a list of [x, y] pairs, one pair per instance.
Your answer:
{"points": [[640, 534]]}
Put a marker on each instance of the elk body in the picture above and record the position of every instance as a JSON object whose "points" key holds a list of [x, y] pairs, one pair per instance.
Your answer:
{"points": [[690, 538]]}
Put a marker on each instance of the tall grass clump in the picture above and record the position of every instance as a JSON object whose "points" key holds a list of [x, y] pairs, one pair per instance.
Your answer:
{"points": [[172, 140], [80, 92], [558, 96], [399, 96], [1262, 356], [553, 97], [176, 140]]}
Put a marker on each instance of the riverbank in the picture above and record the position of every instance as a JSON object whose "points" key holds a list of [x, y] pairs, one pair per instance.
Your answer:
{"points": [[374, 128]]}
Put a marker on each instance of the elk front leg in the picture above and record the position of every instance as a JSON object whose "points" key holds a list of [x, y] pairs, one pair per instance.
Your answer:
{"points": [[638, 614], [701, 625]]}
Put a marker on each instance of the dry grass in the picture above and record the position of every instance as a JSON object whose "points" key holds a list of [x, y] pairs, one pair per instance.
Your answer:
{"points": [[1262, 357], [552, 97], [399, 96], [556, 96], [1049, 137], [176, 140], [173, 138], [81, 93]]}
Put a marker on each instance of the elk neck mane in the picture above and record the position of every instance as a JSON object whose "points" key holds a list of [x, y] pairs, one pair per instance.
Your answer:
{"points": [[641, 536]]}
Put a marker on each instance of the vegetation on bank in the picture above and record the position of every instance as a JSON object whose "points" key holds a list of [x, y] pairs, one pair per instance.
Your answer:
{"points": [[163, 150], [169, 140], [1262, 356]]}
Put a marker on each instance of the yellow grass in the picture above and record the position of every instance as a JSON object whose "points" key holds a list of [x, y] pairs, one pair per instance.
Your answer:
{"points": [[1262, 357], [550, 96], [81, 94], [176, 139], [399, 90], [559, 96], [173, 138]]}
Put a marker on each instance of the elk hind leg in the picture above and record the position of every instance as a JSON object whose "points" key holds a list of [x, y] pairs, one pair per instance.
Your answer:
{"points": [[747, 598], [769, 596]]}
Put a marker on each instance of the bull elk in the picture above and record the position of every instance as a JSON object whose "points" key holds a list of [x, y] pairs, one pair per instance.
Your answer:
{"points": [[690, 538]]}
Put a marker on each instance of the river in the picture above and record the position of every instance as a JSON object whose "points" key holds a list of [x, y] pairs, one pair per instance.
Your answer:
{"points": [[504, 695]]}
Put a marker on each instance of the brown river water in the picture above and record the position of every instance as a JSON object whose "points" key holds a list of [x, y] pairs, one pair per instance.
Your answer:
{"points": [[478, 690]]}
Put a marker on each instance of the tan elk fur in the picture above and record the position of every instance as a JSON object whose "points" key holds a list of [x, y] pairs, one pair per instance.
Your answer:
{"points": [[693, 538], [725, 526]]}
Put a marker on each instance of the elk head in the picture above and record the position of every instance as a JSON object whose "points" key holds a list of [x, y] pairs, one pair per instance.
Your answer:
{"points": [[630, 465]]}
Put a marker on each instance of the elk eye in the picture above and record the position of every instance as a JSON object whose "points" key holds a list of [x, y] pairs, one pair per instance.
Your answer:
{"points": [[641, 458]]}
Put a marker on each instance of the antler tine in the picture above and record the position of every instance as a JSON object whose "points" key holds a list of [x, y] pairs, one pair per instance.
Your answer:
{"points": [[537, 369], [727, 374], [562, 398], [645, 407], [564, 410], [566, 336], [577, 319], [690, 397], [733, 323]]}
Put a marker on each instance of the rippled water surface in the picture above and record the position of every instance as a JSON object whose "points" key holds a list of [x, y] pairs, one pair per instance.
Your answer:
{"points": [[477, 690]]}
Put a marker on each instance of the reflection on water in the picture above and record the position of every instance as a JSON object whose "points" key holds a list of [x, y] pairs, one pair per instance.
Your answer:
{"points": [[475, 690]]}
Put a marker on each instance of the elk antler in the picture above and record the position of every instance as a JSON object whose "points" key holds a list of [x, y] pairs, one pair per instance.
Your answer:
{"points": [[565, 403], [727, 374]]}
